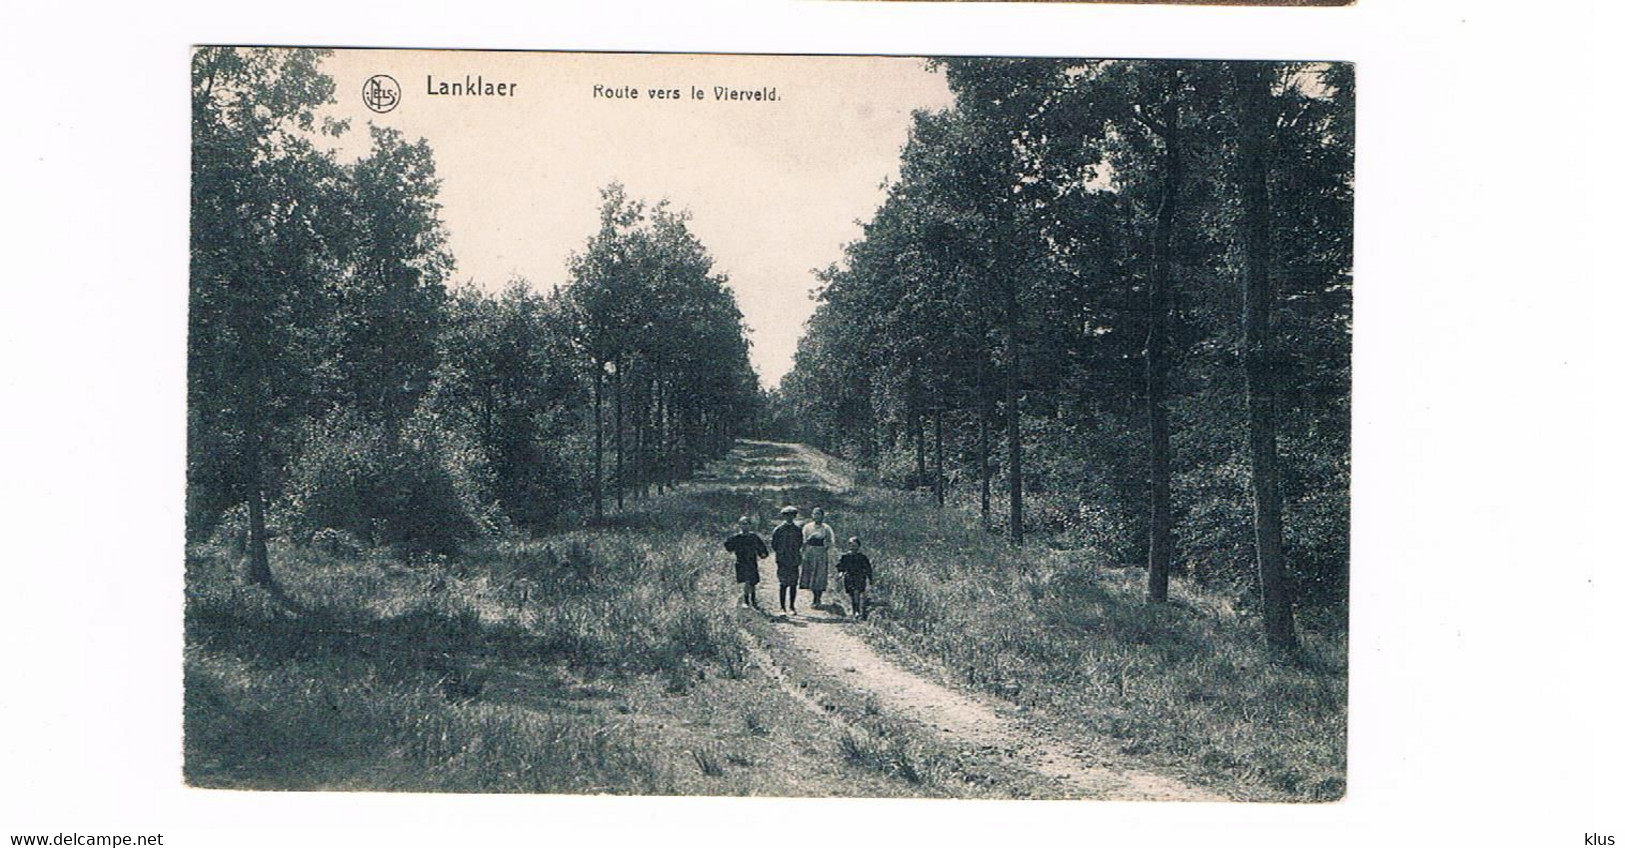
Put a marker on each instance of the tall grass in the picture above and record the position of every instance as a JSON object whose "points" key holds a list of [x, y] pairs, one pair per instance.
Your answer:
{"points": [[380, 673], [377, 673], [1190, 683], [328, 725]]}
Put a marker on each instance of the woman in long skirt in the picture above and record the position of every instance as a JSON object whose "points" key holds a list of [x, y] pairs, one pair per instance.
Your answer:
{"points": [[817, 539]]}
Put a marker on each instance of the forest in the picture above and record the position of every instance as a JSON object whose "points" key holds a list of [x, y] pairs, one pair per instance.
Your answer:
{"points": [[343, 389], [1110, 304]]}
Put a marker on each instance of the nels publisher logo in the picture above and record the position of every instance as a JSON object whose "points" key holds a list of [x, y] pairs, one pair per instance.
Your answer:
{"points": [[381, 93]]}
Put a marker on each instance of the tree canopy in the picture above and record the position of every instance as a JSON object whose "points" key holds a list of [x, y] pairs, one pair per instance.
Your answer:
{"points": [[340, 383], [1066, 249]]}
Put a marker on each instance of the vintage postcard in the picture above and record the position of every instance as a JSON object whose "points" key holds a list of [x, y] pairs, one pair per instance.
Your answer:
{"points": [[668, 424]]}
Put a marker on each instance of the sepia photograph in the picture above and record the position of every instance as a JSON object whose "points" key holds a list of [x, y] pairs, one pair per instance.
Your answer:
{"points": [[768, 425]]}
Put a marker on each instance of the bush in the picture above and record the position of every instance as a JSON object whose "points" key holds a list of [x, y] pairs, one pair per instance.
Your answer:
{"points": [[423, 490]]}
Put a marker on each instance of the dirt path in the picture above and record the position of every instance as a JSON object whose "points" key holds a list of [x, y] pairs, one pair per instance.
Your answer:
{"points": [[820, 467], [835, 646]]}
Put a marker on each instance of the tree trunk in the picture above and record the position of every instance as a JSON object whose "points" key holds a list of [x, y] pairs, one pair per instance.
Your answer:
{"points": [[982, 449], [1252, 91], [620, 450], [259, 555], [676, 425], [1160, 554], [1012, 404], [685, 432], [598, 441], [662, 447], [656, 435], [919, 450], [645, 421], [694, 434], [936, 484], [490, 409], [651, 436], [637, 440]]}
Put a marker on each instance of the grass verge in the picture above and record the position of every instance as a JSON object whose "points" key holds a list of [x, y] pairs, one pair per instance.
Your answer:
{"points": [[477, 675], [1189, 684]]}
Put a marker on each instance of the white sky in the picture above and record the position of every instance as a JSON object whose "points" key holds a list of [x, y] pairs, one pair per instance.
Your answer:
{"points": [[776, 188]]}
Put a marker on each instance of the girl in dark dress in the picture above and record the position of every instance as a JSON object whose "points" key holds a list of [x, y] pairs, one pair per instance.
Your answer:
{"points": [[857, 571], [747, 548]]}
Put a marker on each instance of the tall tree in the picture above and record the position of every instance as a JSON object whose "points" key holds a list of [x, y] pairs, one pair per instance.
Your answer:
{"points": [[1166, 125], [508, 373], [645, 301], [972, 174], [1257, 120], [390, 303], [602, 289], [264, 205]]}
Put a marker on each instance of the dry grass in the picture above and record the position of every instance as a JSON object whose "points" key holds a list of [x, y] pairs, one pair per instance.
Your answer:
{"points": [[491, 673], [1189, 684], [379, 673]]}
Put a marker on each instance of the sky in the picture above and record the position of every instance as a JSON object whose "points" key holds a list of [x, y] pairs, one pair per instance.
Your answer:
{"points": [[776, 187]]}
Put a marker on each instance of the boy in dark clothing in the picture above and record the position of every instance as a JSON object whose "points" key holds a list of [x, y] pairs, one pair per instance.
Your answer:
{"points": [[787, 541], [858, 573], [747, 548]]}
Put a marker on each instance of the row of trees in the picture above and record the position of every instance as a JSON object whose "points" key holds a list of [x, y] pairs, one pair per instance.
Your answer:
{"points": [[1119, 291], [336, 382], [665, 332]]}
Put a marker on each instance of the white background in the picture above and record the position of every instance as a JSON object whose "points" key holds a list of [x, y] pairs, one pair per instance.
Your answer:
{"points": [[1487, 643]]}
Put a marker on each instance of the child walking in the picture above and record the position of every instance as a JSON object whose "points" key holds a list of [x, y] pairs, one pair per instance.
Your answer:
{"points": [[747, 548], [858, 573], [787, 555]]}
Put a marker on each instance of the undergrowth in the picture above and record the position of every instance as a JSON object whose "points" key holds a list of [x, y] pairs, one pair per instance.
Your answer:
{"points": [[372, 672]]}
